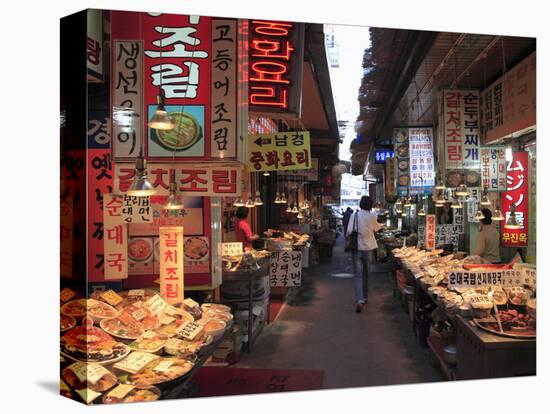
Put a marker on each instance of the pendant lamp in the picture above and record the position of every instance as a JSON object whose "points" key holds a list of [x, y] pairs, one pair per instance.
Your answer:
{"points": [[497, 215], [283, 198], [300, 216], [239, 202], [277, 199], [455, 203], [140, 185], [295, 210], [422, 212], [173, 202], [288, 209], [440, 185], [258, 201], [249, 202], [485, 199], [479, 215], [462, 191], [160, 119], [266, 173]]}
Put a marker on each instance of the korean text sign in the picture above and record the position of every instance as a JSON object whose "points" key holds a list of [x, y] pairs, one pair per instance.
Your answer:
{"points": [[191, 179], [171, 264], [286, 269], [281, 151], [506, 277], [421, 160], [115, 238], [517, 193], [461, 128], [493, 168], [430, 231]]}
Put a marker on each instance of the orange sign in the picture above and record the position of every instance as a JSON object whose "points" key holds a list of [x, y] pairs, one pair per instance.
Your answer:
{"points": [[430, 231], [171, 264], [115, 238]]}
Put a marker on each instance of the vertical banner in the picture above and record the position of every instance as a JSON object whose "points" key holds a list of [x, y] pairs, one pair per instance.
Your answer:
{"points": [[421, 160], [493, 169], [66, 236], [100, 181], [177, 59], [517, 193], [389, 179], [430, 231], [224, 89], [401, 151], [286, 269], [171, 264], [94, 45], [472, 204], [127, 98], [115, 238]]}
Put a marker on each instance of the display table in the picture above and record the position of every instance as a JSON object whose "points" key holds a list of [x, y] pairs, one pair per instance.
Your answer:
{"points": [[481, 354], [250, 277]]}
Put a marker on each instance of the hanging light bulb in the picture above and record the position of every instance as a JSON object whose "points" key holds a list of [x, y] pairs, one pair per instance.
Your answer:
{"points": [[283, 198], [422, 212], [249, 202], [462, 191], [497, 215], [479, 215], [239, 202], [485, 199], [173, 202], [277, 199], [440, 185], [455, 203], [288, 209], [295, 210], [300, 216], [266, 173], [512, 222], [408, 202], [258, 201], [160, 119], [140, 185], [440, 203]]}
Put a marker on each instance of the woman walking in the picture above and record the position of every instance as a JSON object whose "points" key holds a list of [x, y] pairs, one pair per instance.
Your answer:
{"points": [[365, 223]]}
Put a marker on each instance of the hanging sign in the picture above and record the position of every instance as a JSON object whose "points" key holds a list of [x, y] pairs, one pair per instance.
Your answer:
{"points": [[127, 98], [224, 89], [421, 160], [171, 264], [281, 151], [115, 238], [191, 179], [510, 103], [461, 128], [389, 179], [479, 277], [472, 204], [402, 159], [275, 66], [382, 154], [286, 269], [517, 193], [136, 209], [430, 231], [99, 129], [493, 169]]}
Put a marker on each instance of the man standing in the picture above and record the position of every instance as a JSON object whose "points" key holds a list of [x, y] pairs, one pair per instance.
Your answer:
{"points": [[345, 219]]}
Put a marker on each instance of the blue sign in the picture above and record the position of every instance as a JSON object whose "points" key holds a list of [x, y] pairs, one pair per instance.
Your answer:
{"points": [[380, 155]]}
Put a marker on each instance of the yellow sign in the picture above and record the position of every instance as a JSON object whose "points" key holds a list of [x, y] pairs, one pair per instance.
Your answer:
{"points": [[171, 264], [111, 297], [282, 151]]}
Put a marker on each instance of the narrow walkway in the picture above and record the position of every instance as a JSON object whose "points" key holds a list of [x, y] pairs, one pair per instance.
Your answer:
{"points": [[320, 330]]}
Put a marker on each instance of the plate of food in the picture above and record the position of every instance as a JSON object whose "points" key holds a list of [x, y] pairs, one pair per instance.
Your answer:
{"points": [[186, 133], [149, 341], [81, 375], [125, 393], [454, 179], [162, 371], [88, 343], [402, 151], [129, 297], [98, 310], [403, 165], [472, 178], [401, 135], [140, 249], [403, 180], [66, 322], [514, 324], [130, 323], [195, 248], [75, 308], [183, 348]]}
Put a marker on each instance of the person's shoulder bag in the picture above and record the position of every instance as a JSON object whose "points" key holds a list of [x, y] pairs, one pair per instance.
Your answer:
{"points": [[351, 239]]}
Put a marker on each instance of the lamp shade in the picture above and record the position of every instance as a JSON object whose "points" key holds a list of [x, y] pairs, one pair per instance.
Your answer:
{"points": [[422, 212], [497, 215], [258, 201], [160, 119], [140, 185], [238, 202], [462, 191]]}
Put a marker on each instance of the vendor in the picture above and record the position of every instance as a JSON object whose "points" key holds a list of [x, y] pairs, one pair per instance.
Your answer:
{"points": [[243, 233], [488, 240]]}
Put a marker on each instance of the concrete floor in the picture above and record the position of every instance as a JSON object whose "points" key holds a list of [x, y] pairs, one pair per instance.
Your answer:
{"points": [[319, 329]]}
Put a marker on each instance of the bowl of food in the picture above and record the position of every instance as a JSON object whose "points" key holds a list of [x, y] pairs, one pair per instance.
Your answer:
{"points": [[454, 179], [402, 151], [186, 133], [482, 309], [403, 165], [125, 393], [216, 307], [401, 135], [213, 327], [140, 249], [403, 180], [66, 322], [195, 248], [473, 178]]}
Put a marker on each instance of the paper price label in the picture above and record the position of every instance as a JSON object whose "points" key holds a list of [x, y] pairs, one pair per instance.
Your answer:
{"points": [[155, 304], [173, 343], [232, 249], [88, 371], [190, 303], [163, 366], [136, 292], [135, 362], [88, 395], [111, 297], [148, 335], [139, 314], [66, 295], [165, 319], [121, 391], [189, 330]]}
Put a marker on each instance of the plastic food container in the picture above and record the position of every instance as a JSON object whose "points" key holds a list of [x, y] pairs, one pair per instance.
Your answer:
{"points": [[449, 354]]}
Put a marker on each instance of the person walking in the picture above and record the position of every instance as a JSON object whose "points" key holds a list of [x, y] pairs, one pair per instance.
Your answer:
{"points": [[366, 224], [345, 219]]}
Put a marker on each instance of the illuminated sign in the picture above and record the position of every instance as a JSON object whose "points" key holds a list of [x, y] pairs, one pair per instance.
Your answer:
{"points": [[275, 62], [381, 154]]}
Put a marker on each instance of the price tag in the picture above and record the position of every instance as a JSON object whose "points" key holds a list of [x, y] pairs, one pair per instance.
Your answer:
{"points": [[121, 391], [232, 249], [165, 319], [111, 297], [88, 395], [139, 314], [135, 362], [189, 330], [136, 292], [163, 366], [190, 303], [125, 318], [66, 295], [148, 335], [88, 371], [173, 343], [171, 311], [155, 304]]}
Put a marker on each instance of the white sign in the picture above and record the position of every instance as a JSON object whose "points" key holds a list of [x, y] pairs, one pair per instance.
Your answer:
{"points": [[88, 371], [421, 157], [493, 168], [135, 362], [286, 269], [505, 277], [115, 238], [137, 209], [190, 330], [472, 204], [232, 249], [155, 304]]}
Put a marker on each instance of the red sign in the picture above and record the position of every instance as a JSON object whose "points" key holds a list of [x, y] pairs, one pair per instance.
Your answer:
{"points": [[430, 231], [517, 193]]}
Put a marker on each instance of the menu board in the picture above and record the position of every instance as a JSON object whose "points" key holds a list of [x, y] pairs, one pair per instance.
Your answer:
{"points": [[286, 269], [517, 193], [493, 169], [422, 171]]}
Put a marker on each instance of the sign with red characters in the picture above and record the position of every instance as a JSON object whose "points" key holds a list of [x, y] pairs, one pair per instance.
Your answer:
{"points": [[430, 231], [171, 264], [275, 66], [517, 193]]}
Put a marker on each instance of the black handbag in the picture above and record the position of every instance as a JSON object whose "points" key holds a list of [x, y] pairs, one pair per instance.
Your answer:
{"points": [[351, 239]]}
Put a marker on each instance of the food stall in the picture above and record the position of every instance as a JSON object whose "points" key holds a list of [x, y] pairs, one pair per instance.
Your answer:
{"points": [[481, 315]]}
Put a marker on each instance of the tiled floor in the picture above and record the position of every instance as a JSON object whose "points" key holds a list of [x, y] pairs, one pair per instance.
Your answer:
{"points": [[319, 329]]}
